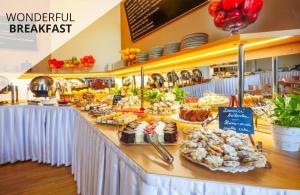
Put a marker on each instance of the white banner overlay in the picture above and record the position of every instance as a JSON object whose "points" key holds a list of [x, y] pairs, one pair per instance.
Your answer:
{"points": [[20, 49]]}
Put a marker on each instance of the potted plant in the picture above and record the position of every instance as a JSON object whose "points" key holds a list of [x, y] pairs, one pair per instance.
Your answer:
{"points": [[153, 96], [179, 94], [286, 122], [117, 96]]}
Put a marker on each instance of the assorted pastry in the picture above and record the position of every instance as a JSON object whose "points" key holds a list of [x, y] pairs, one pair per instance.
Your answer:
{"points": [[222, 150], [212, 100], [166, 107], [63, 102], [102, 111], [195, 115], [117, 118], [49, 102], [251, 100], [89, 107], [129, 101], [191, 99], [135, 132]]}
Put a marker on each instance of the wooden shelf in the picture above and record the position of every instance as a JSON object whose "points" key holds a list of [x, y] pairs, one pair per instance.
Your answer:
{"points": [[257, 45], [57, 75]]}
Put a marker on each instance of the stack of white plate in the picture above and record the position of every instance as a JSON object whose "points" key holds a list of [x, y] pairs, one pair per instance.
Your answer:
{"points": [[194, 40], [156, 52], [171, 48], [142, 56]]}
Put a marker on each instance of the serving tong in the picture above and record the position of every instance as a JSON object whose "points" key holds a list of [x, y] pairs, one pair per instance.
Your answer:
{"points": [[164, 153]]}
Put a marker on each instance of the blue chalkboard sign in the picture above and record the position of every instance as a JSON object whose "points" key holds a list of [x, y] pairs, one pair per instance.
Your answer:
{"points": [[237, 119]]}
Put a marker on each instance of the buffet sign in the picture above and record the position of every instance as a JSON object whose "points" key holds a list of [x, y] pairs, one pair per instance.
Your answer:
{"points": [[145, 16], [236, 118]]}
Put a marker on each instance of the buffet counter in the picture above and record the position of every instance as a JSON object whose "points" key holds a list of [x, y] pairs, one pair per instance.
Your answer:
{"points": [[266, 76], [102, 165], [226, 86]]}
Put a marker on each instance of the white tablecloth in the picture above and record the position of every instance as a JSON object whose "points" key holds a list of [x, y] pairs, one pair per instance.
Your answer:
{"points": [[198, 90], [40, 134], [226, 86], [266, 77], [61, 136]]}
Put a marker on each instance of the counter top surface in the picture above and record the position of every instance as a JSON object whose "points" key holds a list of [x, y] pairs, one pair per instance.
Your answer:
{"points": [[285, 171], [284, 174]]}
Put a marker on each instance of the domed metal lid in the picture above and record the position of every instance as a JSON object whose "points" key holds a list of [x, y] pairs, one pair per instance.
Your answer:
{"points": [[41, 85]]}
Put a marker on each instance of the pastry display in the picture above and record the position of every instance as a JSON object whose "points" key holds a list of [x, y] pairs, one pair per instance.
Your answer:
{"points": [[211, 99], [129, 101], [63, 103], [49, 102], [250, 100], [226, 151], [66, 97], [104, 110], [135, 132], [191, 99], [92, 106], [80, 103], [163, 108], [117, 118], [197, 115], [3, 102], [99, 94]]}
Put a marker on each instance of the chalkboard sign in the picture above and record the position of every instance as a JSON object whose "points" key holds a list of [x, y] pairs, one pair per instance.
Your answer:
{"points": [[237, 119], [145, 16]]}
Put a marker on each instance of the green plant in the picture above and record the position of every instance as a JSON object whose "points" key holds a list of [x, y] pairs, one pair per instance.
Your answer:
{"points": [[133, 91], [287, 111], [179, 94], [153, 95], [116, 89]]}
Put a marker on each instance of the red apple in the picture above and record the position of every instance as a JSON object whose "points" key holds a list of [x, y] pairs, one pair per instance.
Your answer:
{"points": [[252, 17], [219, 19], [214, 7], [231, 4], [234, 16], [251, 7]]}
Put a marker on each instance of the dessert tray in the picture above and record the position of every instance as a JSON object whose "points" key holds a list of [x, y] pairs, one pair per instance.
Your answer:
{"points": [[195, 116], [101, 112], [220, 150], [177, 118], [163, 108], [136, 133], [116, 118]]}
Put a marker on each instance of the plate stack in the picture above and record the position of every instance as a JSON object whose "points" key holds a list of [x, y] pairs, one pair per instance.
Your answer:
{"points": [[194, 40], [142, 57], [156, 52], [171, 48]]}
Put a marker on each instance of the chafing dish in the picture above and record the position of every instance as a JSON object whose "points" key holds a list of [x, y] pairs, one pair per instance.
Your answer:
{"points": [[186, 77], [172, 77], [197, 76], [42, 86], [5, 86], [158, 80]]}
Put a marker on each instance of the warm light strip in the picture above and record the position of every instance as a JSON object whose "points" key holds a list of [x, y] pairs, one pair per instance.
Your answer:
{"points": [[186, 59], [266, 41], [126, 71], [69, 75], [193, 57]]}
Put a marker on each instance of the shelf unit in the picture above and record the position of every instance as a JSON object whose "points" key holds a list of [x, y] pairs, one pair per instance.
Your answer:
{"points": [[257, 45]]}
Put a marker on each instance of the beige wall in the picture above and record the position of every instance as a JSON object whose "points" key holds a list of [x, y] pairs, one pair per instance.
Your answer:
{"points": [[266, 64], [102, 39], [276, 15]]}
